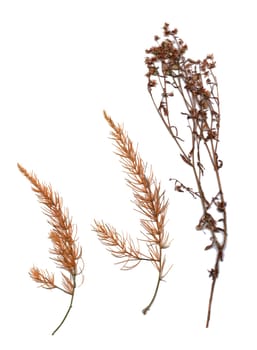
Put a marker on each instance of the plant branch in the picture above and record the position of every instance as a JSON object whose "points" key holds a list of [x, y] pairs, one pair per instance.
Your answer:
{"points": [[66, 253], [150, 203], [170, 70]]}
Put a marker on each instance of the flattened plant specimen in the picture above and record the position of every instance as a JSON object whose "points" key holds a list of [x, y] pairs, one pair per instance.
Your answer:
{"points": [[66, 253], [151, 204], [170, 73]]}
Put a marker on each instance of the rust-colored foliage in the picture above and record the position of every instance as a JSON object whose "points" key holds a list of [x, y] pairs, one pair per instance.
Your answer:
{"points": [[169, 72], [151, 204], [66, 252]]}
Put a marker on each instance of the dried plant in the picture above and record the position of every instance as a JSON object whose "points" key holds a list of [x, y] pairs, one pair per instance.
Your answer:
{"points": [[152, 206], [170, 72], [66, 252]]}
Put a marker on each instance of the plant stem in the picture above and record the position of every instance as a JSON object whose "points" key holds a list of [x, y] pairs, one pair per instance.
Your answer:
{"points": [[210, 301], [215, 273], [160, 276], [147, 308], [69, 308]]}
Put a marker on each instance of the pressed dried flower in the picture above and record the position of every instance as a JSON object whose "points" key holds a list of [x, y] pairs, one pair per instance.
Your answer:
{"points": [[196, 83], [66, 252], [151, 204]]}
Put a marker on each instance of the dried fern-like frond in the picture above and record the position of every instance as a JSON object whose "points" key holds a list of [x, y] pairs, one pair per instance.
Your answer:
{"points": [[43, 277], [119, 246], [66, 252], [151, 204]]}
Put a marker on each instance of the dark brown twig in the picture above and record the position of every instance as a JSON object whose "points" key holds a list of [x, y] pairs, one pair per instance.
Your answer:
{"points": [[170, 71]]}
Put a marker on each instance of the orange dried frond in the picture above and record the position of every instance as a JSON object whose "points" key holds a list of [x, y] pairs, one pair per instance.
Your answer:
{"points": [[118, 245], [66, 251], [150, 202], [43, 277], [52, 203], [50, 200], [162, 268], [149, 199], [68, 284]]}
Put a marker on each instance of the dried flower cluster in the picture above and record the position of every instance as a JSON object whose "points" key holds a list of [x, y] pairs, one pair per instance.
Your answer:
{"points": [[170, 71], [150, 203], [66, 252]]}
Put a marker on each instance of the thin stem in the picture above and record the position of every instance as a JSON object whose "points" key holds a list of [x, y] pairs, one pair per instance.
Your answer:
{"points": [[167, 127], [69, 308], [215, 273], [219, 256], [210, 302], [160, 276], [198, 182], [62, 289], [147, 308]]}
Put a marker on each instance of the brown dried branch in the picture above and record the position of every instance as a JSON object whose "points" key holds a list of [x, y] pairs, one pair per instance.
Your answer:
{"points": [[66, 253], [169, 70], [150, 203]]}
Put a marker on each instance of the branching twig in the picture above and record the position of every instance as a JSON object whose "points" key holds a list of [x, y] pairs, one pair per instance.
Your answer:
{"points": [[171, 71]]}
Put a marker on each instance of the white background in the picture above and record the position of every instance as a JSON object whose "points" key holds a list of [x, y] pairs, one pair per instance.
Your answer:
{"points": [[61, 64]]}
